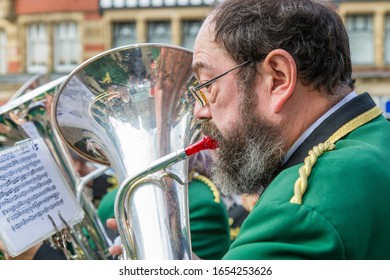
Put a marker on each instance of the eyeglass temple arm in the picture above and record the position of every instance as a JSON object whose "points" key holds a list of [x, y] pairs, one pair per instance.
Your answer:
{"points": [[219, 76]]}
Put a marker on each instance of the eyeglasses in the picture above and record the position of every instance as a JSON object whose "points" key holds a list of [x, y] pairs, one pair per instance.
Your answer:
{"points": [[196, 90]]}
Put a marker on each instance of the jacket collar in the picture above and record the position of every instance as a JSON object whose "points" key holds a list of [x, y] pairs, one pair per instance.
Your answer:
{"points": [[345, 113]]}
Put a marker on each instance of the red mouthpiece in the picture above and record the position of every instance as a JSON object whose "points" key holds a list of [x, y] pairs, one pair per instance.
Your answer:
{"points": [[206, 143]]}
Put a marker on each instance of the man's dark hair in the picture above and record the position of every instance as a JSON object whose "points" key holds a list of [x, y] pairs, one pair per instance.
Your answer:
{"points": [[311, 31]]}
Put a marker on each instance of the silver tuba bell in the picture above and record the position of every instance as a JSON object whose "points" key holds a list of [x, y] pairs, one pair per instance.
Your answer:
{"points": [[129, 107]]}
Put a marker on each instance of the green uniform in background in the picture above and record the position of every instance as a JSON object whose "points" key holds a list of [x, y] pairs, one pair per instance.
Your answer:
{"points": [[210, 231]]}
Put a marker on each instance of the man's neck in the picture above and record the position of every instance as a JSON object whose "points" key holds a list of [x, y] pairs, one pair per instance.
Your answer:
{"points": [[316, 123]]}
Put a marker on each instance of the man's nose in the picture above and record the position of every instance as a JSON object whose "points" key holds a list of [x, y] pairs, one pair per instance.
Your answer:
{"points": [[202, 112]]}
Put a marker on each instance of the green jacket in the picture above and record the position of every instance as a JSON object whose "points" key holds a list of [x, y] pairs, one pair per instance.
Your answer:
{"points": [[210, 236], [210, 231], [345, 209]]}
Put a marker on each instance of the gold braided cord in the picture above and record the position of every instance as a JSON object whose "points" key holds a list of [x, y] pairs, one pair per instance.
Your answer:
{"points": [[210, 184], [355, 123], [234, 232], [305, 170], [301, 185]]}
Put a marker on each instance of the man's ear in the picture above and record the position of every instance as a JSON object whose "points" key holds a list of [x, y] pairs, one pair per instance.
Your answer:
{"points": [[281, 70]]}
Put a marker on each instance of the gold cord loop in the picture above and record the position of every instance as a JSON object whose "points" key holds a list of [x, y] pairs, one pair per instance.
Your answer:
{"points": [[301, 184], [304, 171]]}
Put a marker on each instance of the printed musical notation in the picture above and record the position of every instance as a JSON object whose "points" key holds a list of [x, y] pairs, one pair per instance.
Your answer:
{"points": [[31, 188]]}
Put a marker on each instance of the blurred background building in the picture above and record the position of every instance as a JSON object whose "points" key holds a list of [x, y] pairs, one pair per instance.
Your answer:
{"points": [[54, 37], [368, 26]]}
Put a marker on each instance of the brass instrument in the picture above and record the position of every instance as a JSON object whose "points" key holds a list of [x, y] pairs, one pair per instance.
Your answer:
{"points": [[28, 116], [37, 80], [129, 107]]}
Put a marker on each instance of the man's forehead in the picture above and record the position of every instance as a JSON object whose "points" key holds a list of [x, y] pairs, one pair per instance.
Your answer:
{"points": [[206, 50], [205, 56]]}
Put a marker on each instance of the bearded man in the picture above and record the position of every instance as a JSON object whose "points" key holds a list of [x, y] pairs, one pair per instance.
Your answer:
{"points": [[275, 90]]}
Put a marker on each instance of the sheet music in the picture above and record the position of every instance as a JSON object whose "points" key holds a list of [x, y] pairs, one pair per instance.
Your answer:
{"points": [[31, 188]]}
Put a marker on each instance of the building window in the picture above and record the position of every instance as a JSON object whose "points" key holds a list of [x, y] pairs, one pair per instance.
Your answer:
{"points": [[124, 34], [66, 47], [3, 52], [387, 39], [159, 32], [361, 39], [119, 3], [37, 48], [190, 30]]}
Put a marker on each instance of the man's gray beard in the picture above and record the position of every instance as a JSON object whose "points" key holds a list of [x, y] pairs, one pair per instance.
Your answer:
{"points": [[248, 155]]}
